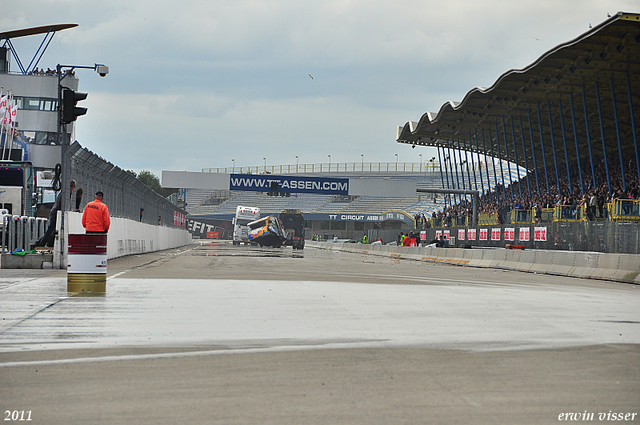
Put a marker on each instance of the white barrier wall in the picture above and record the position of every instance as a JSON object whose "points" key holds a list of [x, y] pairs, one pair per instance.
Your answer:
{"points": [[580, 264], [126, 237]]}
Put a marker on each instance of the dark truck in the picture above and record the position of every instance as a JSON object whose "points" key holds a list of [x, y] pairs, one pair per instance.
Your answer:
{"points": [[294, 224]]}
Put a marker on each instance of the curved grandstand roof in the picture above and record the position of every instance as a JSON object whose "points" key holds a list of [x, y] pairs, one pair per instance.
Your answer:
{"points": [[568, 90]]}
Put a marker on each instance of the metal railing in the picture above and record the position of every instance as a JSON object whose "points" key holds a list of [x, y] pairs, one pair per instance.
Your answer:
{"points": [[625, 210], [335, 167], [19, 232]]}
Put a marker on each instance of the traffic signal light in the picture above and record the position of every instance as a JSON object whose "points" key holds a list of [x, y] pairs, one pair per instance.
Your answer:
{"points": [[69, 109]]}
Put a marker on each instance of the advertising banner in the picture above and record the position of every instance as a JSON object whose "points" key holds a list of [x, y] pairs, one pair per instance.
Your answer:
{"points": [[540, 234], [509, 234], [210, 228], [471, 234], [289, 184]]}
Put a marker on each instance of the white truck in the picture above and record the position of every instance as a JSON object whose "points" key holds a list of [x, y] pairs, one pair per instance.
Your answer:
{"points": [[244, 215]]}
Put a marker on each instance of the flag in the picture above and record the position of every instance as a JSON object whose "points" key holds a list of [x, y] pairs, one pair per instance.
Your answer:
{"points": [[3, 105], [14, 114]]}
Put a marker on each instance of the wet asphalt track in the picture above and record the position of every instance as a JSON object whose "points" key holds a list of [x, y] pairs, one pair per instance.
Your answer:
{"points": [[223, 334]]}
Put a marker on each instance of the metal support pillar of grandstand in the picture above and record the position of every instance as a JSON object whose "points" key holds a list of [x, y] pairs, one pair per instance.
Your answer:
{"points": [[633, 125], [493, 165], [524, 153], [441, 175], [504, 191], [473, 166], [553, 147], [564, 140], [533, 151], [466, 160], [473, 193], [456, 184], [454, 168], [486, 163], [506, 150], [586, 123], [464, 186], [475, 135], [544, 155], [575, 138], [515, 154], [615, 117], [604, 145], [448, 172]]}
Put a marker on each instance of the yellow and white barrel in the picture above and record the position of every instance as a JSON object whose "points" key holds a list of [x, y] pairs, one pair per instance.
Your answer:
{"points": [[87, 264]]}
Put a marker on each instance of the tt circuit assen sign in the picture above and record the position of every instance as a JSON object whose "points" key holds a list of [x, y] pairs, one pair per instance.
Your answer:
{"points": [[291, 184]]}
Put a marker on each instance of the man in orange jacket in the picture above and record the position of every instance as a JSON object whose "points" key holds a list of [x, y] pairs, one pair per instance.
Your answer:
{"points": [[95, 218]]}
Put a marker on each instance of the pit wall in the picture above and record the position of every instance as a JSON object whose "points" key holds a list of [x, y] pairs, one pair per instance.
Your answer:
{"points": [[127, 237], [586, 265]]}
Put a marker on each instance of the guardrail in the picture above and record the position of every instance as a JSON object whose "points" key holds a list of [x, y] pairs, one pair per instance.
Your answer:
{"points": [[19, 232]]}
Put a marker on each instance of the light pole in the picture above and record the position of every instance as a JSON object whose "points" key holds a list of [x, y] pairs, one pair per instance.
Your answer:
{"points": [[102, 70], [362, 161], [420, 155], [233, 165], [296, 163], [329, 162]]}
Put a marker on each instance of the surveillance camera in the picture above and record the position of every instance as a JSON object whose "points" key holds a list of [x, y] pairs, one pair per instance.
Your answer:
{"points": [[102, 70]]}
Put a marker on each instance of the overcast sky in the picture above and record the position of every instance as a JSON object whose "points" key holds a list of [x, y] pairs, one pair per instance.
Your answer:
{"points": [[199, 83]]}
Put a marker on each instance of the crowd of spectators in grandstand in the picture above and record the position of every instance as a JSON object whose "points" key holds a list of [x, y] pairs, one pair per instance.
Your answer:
{"points": [[51, 72], [529, 194]]}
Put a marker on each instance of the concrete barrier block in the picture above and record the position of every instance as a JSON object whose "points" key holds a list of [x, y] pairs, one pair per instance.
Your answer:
{"points": [[456, 256], [487, 258], [542, 261], [476, 257], [525, 261], [499, 258], [430, 254], [607, 267], [628, 267], [28, 261], [562, 263], [512, 259], [585, 263]]}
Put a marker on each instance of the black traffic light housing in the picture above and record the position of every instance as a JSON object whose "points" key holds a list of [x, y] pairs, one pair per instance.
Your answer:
{"points": [[69, 109]]}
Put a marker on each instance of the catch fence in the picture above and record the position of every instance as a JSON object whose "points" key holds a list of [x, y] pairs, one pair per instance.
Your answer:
{"points": [[124, 194], [596, 236]]}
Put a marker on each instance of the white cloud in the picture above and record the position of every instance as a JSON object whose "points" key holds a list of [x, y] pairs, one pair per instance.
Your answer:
{"points": [[193, 84]]}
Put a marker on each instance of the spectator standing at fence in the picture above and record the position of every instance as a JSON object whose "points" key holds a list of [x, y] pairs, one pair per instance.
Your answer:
{"points": [[79, 194], [95, 218], [49, 237]]}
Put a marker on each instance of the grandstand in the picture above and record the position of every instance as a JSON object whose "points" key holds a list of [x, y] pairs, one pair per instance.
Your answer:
{"points": [[570, 119], [558, 133], [337, 213]]}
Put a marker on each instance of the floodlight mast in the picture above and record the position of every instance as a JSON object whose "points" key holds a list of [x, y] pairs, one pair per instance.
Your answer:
{"points": [[102, 70]]}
